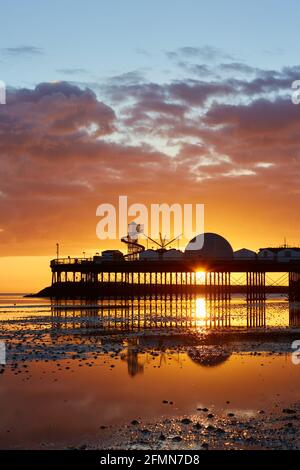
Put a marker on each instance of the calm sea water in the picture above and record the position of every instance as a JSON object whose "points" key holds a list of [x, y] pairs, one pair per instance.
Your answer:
{"points": [[72, 367]]}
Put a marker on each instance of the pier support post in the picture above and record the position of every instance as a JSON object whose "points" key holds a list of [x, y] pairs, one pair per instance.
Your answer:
{"points": [[294, 286], [217, 285], [256, 285], [256, 313]]}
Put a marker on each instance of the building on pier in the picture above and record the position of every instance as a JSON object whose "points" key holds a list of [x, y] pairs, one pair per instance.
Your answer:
{"points": [[244, 253], [209, 246], [280, 253], [161, 255]]}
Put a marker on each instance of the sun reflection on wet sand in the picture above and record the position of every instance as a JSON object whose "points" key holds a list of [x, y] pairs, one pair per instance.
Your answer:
{"points": [[200, 311]]}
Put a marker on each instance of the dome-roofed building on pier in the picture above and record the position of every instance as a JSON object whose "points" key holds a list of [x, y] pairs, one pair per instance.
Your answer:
{"points": [[209, 246]]}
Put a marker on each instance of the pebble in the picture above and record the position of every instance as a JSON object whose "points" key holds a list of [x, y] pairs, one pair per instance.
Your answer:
{"points": [[186, 421], [197, 425], [210, 428]]}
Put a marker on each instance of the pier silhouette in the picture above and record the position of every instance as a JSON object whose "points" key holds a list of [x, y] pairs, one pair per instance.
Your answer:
{"points": [[85, 277], [205, 267]]}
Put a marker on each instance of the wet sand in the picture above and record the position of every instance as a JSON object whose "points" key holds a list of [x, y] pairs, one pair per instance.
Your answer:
{"points": [[205, 430], [86, 379]]}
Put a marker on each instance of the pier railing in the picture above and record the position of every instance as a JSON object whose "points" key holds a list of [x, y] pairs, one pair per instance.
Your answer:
{"points": [[70, 260]]}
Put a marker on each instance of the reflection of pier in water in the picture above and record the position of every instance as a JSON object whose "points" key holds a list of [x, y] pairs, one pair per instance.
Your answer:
{"points": [[189, 312], [134, 364], [136, 361], [294, 314], [256, 314]]}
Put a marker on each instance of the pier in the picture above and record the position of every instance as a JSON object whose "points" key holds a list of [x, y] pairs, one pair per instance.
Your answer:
{"points": [[138, 277]]}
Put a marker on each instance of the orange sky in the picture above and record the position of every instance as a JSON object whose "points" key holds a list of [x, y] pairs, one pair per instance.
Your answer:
{"points": [[253, 219], [227, 144]]}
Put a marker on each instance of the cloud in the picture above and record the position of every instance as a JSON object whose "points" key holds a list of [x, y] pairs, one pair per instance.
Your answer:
{"points": [[22, 51], [200, 70], [143, 52], [239, 67], [261, 117], [238, 127], [237, 172], [57, 164], [197, 92], [52, 109], [72, 71], [206, 53], [127, 78]]}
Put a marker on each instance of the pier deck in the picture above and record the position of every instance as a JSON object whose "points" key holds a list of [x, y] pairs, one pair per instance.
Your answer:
{"points": [[117, 277]]}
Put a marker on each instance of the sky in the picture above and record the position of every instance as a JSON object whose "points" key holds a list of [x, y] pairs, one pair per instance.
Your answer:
{"points": [[166, 102]]}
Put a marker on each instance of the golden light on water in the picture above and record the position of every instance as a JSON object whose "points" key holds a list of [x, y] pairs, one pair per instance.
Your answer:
{"points": [[200, 310], [200, 302]]}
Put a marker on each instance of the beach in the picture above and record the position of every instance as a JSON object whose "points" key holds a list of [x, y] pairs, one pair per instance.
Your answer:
{"points": [[149, 374]]}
